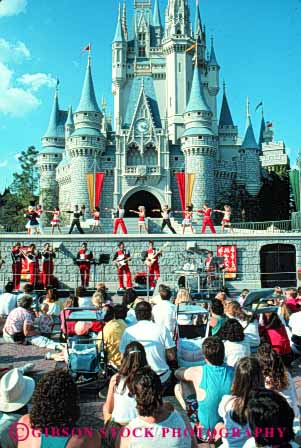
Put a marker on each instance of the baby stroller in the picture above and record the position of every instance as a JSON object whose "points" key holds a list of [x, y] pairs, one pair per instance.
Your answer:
{"points": [[192, 328], [86, 354]]}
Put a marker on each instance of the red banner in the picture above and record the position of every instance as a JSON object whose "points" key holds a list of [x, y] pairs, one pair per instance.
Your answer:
{"points": [[230, 260], [181, 187], [98, 187]]}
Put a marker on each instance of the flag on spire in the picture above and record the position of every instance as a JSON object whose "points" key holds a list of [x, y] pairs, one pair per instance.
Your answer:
{"points": [[269, 124], [258, 106], [190, 48], [87, 48]]}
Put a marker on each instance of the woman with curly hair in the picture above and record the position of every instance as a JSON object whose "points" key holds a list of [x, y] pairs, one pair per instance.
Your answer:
{"points": [[233, 408], [249, 324], [236, 345], [277, 377], [155, 417], [55, 405]]}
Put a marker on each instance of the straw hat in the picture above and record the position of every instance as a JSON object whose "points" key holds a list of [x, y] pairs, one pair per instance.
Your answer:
{"points": [[15, 390]]}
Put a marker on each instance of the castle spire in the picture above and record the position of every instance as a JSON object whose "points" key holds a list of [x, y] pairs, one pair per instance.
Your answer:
{"points": [[119, 34], [198, 21], [262, 129], [225, 116], [54, 116], [197, 101], [249, 141], [124, 21], [212, 59], [156, 15], [70, 121], [88, 102]]}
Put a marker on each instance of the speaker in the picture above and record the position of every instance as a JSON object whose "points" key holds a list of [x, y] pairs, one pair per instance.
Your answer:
{"points": [[104, 259]]}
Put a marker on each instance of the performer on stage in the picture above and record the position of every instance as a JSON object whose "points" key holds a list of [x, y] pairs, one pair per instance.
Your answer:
{"points": [[165, 213], [39, 211], [56, 219], [121, 259], [210, 268], [84, 260], [187, 221], [118, 216], [32, 256], [207, 221], [17, 255], [226, 221], [48, 256], [152, 262], [76, 219], [96, 220], [32, 220], [141, 218]]}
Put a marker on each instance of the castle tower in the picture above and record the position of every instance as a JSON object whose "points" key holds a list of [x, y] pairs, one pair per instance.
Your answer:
{"points": [[199, 143], [51, 154], [69, 125], [157, 24], [86, 143], [227, 132], [177, 40], [251, 152], [213, 84]]}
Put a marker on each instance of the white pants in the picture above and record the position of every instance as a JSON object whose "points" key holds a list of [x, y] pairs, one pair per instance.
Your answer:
{"points": [[39, 341]]}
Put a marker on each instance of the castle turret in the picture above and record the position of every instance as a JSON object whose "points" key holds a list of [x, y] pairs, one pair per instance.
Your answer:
{"points": [[87, 142], [251, 152], [124, 21], [51, 154], [227, 131], [213, 83], [199, 143], [69, 125], [157, 23]]}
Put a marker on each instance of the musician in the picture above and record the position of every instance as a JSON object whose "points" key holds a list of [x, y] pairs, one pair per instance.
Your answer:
{"points": [[48, 256], [33, 256], [84, 260], [165, 213], [210, 268], [17, 255], [152, 262], [118, 216], [76, 219], [121, 259]]}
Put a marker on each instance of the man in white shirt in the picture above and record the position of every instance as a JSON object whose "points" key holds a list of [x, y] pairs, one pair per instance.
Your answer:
{"points": [[294, 324], [8, 301], [164, 312], [158, 344]]}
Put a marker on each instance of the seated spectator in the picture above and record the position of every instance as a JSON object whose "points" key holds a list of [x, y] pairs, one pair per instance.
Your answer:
{"points": [[267, 409], [8, 300], [183, 298], [19, 327], [28, 291], [236, 345], [277, 376], [243, 296], [101, 287], [52, 300], [217, 316], [164, 312], [233, 408], [15, 393], [71, 302], [249, 324], [120, 407], [46, 322], [153, 414], [158, 344], [83, 300], [210, 381], [129, 300], [112, 333], [291, 299], [278, 293], [294, 324], [98, 299], [55, 404], [273, 331]]}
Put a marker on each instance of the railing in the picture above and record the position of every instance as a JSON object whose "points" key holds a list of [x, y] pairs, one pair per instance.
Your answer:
{"points": [[296, 221], [265, 226]]}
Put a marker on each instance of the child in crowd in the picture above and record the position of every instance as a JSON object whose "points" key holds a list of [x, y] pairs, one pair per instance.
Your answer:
{"points": [[46, 323]]}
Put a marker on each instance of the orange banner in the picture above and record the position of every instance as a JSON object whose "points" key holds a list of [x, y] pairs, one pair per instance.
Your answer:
{"points": [[190, 179]]}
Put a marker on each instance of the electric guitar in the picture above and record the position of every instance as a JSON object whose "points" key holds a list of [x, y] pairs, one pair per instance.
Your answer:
{"points": [[152, 258], [122, 261]]}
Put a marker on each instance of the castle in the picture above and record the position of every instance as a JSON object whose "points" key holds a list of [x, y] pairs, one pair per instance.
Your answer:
{"points": [[165, 84]]}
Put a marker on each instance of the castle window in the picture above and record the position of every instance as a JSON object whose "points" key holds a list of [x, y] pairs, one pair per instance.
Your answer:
{"points": [[55, 155], [95, 115], [98, 139], [180, 67], [83, 138], [200, 137], [141, 52], [55, 139], [199, 113], [109, 159], [176, 158], [85, 114]]}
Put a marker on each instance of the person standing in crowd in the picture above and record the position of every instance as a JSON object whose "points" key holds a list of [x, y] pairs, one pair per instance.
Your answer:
{"points": [[165, 213], [96, 220], [8, 300], [141, 218], [39, 211], [164, 312], [159, 346], [32, 220], [84, 259], [226, 221], [118, 216], [207, 221], [17, 255], [15, 393], [33, 256], [76, 219], [152, 263], [48, 255], [121, 259]]}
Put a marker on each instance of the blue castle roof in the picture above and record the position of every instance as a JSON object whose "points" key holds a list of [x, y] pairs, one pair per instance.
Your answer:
{"points": [[197, 21], [88, 102], [70, 121], [225, 116], [156, 15], [262, 129], [54, 118], [249, 141], [212, 59], [119, 34], [197, 101]]}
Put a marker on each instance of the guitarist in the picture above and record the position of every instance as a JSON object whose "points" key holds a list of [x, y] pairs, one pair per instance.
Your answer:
{"points": [[84, 259], [152, 262], [121, 258]]}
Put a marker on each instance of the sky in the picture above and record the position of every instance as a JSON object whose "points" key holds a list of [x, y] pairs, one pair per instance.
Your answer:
{"points": [[257, 44]]}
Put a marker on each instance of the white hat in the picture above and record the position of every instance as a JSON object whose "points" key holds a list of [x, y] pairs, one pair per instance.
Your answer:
{"points": [[15, 390]]}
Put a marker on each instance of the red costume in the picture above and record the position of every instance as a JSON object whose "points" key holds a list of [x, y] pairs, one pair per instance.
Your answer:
{"points": [[118, 221], [120, 257], [17, 256], [209, 266], [207, 221], [154, 268], [34, 269], [47, 267], [84, 259]]}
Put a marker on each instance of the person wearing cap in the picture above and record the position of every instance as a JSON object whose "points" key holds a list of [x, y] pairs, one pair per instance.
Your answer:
{"points": [[15, 392]]}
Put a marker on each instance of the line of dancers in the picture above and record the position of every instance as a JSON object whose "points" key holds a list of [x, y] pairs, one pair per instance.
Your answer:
{"points": [[34, 222]]}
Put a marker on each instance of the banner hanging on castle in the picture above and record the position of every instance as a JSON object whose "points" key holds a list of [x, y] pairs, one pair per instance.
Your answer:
{"points": [[95, 184], [230, 260], [185, 186]]}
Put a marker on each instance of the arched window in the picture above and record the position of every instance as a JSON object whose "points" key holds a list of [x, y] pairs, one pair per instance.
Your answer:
{"points": [[150, 156], [133, 156]]}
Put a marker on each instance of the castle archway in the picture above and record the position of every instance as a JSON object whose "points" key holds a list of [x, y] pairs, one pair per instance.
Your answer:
{"points": [[142, 197]]}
